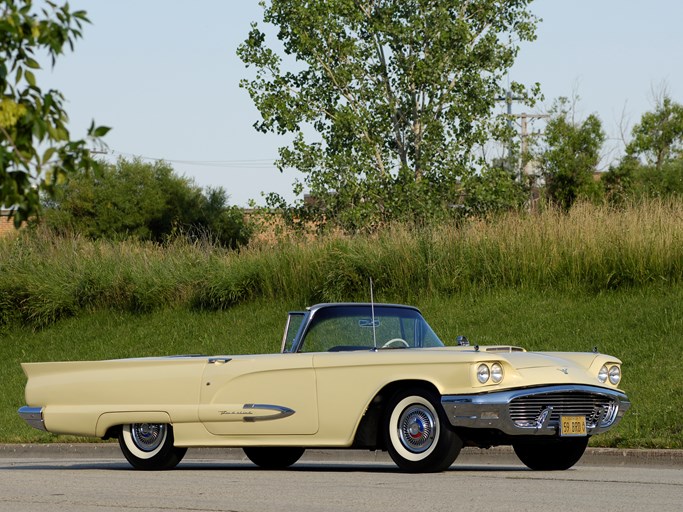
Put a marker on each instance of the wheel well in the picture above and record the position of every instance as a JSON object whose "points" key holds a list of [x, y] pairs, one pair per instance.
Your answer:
{"points": [[368, 432], [113, 432]]}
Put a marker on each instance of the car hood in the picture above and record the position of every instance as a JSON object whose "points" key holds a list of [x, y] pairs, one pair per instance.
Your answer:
{"points": [[526, 360]]}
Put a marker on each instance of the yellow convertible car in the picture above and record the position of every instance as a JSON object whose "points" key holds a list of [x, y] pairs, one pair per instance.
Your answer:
{"points": [[350, 375]]}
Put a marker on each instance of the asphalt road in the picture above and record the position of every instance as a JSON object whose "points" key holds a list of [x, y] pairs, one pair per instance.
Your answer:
{"points": [[61, 480]]}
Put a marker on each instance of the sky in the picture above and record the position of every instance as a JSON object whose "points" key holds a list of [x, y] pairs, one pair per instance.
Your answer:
{"points": [[164, 75]]}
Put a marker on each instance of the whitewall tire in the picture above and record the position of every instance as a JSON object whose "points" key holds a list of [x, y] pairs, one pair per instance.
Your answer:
{"points": [[149, 446], [417, 433]]}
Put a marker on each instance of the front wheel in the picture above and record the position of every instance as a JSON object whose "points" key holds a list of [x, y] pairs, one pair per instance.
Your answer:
{"points": [[273, 457], [417, 433], [551, 454], [149, 446]]}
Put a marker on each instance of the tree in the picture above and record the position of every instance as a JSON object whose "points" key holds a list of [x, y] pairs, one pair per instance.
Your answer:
{"points": [[385, 99], [659, 135], [145, 201], [664, 182], [495, 189], [36, 148], [653, 163], [570, 154], [619, 180], [223, 224]]}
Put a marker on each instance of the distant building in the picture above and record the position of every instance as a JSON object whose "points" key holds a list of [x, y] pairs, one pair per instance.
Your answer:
{"points": [[6, 225]]}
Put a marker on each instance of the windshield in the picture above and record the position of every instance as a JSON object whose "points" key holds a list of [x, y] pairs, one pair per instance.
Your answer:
{"points": [[353, 328]]}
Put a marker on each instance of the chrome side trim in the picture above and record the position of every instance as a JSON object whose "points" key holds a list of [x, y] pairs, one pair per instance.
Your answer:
{"points": [[280, 412], [33, 416], [493, 410]]}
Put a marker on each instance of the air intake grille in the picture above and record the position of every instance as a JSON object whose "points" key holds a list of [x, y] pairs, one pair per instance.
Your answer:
{"points": [[505, 349], [598, 409]]}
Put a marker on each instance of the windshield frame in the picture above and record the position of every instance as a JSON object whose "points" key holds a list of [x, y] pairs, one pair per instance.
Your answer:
{"points": [[330, 310]]}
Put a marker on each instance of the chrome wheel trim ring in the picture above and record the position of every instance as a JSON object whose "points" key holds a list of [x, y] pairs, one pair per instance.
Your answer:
{"points": [[145, 440], [420, 446], [148, 436], [416, 428]]}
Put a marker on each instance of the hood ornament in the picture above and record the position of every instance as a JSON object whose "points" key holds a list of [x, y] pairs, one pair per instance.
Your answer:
{"points": [[563, 370]]}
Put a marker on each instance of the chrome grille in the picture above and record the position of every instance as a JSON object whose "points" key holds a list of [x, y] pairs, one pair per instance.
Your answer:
{"points": [[598, 409]]}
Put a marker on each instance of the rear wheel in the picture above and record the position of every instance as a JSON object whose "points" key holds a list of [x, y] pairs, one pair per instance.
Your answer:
{"points": [[149, 446], [417, 433], [551, 454], [273, 457]]}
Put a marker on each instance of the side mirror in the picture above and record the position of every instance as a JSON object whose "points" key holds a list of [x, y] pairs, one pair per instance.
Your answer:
{"points": [[462, 341]]}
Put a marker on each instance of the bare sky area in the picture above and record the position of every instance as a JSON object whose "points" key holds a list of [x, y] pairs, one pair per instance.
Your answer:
{"points": [[165, 76]]}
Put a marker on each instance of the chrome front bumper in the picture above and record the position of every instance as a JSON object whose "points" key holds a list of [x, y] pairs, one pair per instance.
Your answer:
{"points": [[537, 411], [33, 416]]}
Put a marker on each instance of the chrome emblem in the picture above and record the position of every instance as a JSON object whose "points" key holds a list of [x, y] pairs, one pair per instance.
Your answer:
{"points": [[564, 370], [280, 412], [247, 412]]}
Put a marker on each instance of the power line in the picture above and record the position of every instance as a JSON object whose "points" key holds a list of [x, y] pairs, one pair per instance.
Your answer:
{"points": [[250, 163]]}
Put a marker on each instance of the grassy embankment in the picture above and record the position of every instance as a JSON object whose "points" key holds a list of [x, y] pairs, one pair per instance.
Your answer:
{"points": [[549, 282]]}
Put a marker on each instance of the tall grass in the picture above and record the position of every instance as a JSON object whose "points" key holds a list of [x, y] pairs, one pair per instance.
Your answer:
{"points": [[592, 248]]}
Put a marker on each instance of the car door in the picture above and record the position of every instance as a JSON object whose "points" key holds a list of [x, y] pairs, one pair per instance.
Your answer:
{"points": [[259, 395]]}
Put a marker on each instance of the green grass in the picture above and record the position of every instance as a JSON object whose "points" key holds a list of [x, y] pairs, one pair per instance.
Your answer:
{"points": [[641, 326]]}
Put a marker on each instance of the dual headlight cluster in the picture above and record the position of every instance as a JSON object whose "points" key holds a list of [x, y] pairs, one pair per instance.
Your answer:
{"points": [[489, 372], [613, 373]]}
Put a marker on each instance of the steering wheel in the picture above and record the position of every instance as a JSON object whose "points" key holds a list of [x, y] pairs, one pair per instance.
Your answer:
{"points": [[396, 341]]}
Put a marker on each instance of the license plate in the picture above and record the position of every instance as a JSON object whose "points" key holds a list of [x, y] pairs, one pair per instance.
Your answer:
{"points": [[572, 426]]}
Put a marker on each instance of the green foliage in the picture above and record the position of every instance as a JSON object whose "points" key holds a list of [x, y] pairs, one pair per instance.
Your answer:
{"points": [[666, 181], [570, 155], [658, 140], [659, 135], [45, 278], [618, 181], [133, 199], [632, 181], [36, 148], [494, 190], [219, 223], [397, 93]]}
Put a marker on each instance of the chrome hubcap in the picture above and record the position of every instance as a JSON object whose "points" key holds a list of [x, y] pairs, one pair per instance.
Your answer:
{"points": [[148, 436], [417, 428]]}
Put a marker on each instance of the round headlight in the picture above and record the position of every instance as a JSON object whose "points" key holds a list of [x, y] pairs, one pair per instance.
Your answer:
{"points": [[615, 375], [496, 373], [602, 374], [483, 373]]}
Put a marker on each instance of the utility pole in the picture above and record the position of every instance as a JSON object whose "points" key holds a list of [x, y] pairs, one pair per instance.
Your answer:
{"points": [[524, 117], [508, 99]]}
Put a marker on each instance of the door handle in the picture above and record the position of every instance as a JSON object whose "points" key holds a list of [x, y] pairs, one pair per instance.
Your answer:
{"points": [[219, 360]]}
